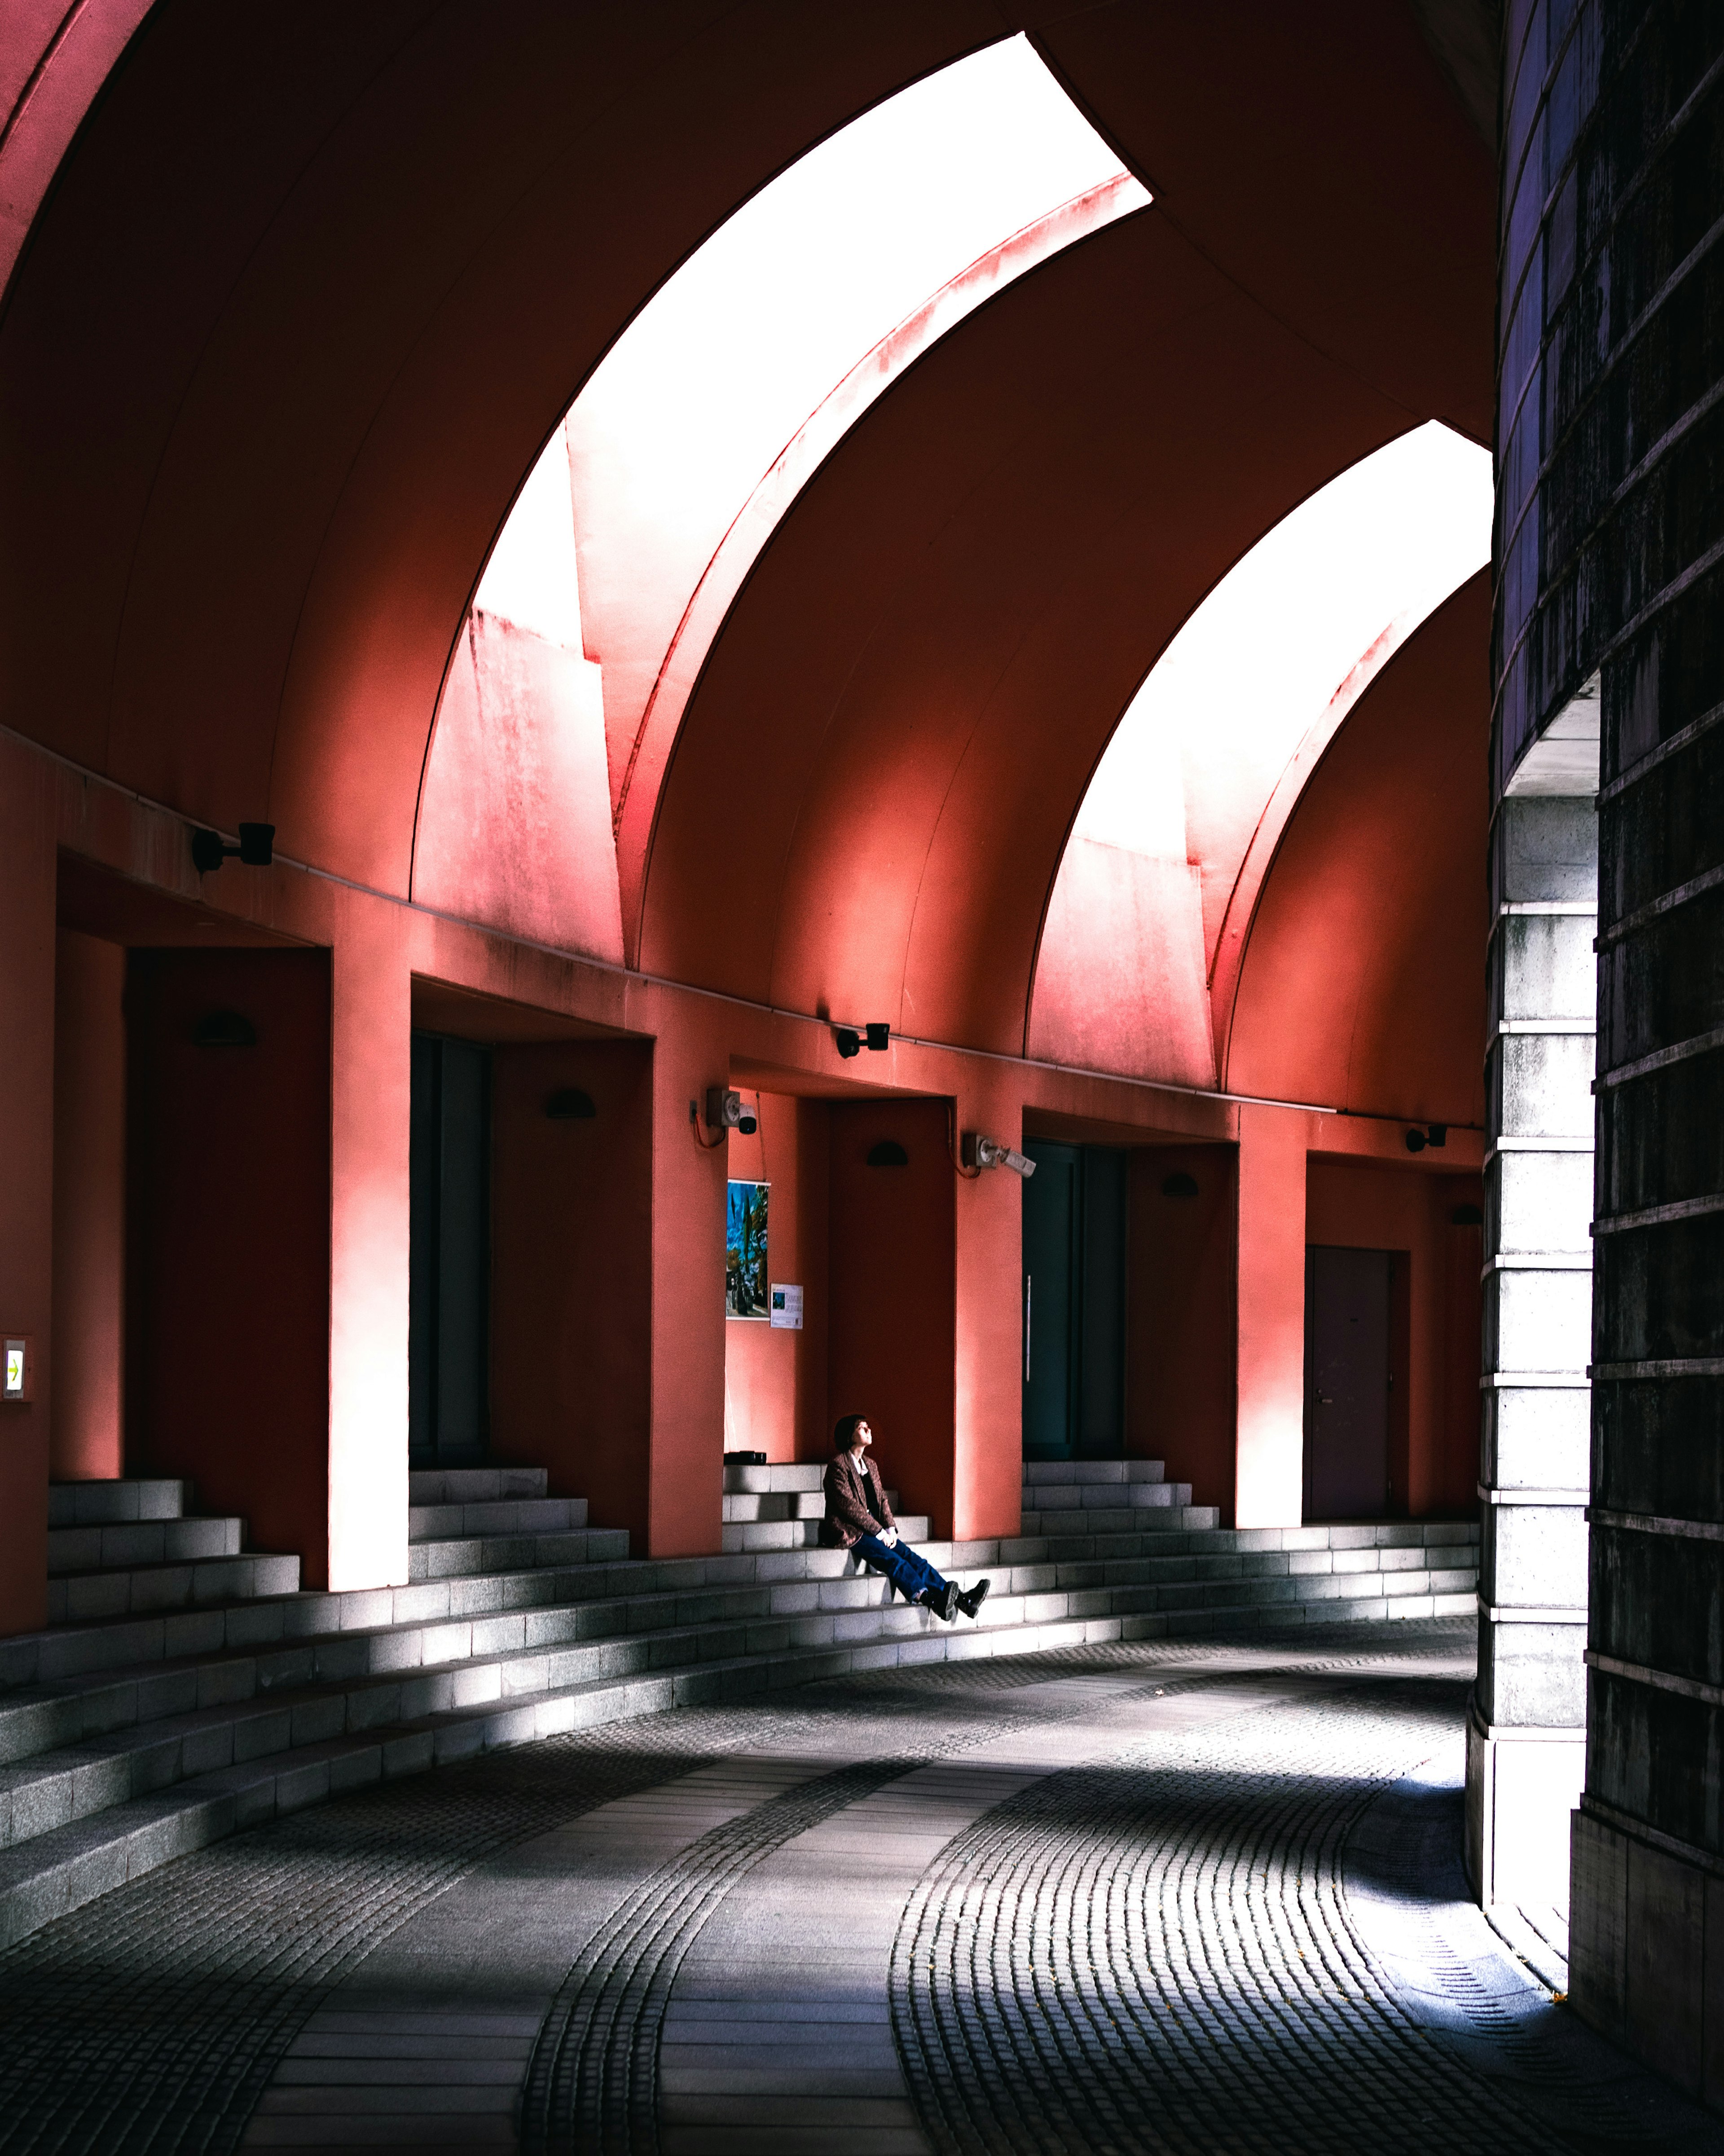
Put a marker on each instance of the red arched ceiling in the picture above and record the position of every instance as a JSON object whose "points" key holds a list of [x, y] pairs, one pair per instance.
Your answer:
{"points": [[879, 765], [315, 281], [1362, 985]]}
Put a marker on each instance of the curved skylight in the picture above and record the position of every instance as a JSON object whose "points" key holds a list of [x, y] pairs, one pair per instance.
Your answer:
{"points": [[798, 294], [1351, 571]]}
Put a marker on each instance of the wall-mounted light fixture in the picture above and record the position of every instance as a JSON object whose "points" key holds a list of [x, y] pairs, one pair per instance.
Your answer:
{"points": [[256, 848], [1433, 1134], [887, 1153], [1467, 1216], [981, 1152], [1180, 1185], [725, 1110], [852, 1040], [570, 1105], [224, 1029]]}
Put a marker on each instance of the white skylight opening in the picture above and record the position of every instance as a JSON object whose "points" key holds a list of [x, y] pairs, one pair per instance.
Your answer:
{"points": [[687, 415], [1237, 690]]}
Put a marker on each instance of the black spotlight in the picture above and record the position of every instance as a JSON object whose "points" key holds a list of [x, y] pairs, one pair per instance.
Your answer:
{"points": [[1180, 1185], [570, 1105], [1436, 1134], [879, 1035], [1467, 1216], [1416, 1141], [887, 1153], [256, 848], [850, 1041]]}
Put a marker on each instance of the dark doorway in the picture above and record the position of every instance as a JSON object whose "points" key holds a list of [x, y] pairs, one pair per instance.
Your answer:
{"points": [[1073, 1302], [227, 1226], [1349, 1374], [448, 1323]]}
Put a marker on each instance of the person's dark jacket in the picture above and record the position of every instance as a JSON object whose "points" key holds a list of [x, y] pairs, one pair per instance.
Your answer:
{"points": [[855, 1502]]}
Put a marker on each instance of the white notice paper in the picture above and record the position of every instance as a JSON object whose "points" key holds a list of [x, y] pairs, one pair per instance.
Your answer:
{"points": [[787, 1307]]}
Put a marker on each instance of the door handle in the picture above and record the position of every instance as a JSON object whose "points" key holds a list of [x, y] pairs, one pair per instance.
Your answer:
{"points": [[1026, 1327]]}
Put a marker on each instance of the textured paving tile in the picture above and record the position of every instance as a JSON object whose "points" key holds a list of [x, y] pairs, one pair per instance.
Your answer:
{"points": [[1096, 1900]]}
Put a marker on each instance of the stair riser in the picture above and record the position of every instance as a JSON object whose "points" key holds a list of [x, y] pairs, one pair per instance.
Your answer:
{"points": [[97, 1504], [161, 1542], [1043, 1474], [1107, 1497], [515, 1516], [746, 1538], [87, 1595], [462, 1559], [473, 1485]]}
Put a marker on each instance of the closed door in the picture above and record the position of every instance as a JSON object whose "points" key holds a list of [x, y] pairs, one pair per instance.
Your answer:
{"points": [[1073, 1302], [1050, 1263], [1347, 1377], [448, 1329]]}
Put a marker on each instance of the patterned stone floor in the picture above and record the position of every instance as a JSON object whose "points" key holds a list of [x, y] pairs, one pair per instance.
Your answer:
{"points": [[1162, 1898]]}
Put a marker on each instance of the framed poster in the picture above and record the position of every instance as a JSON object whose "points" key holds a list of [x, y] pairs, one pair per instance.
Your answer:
{"points": [[745, 1253]]}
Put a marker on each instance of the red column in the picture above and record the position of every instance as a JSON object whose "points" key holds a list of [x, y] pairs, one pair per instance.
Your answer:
{"points": [[27, 908], [687, 1448], [988, 1468], [1269, 1475], [370, 1081]]}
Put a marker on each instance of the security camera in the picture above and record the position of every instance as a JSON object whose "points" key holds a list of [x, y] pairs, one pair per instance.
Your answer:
{"points": [[983, 1153], [725, 1112], [851, 1039]]}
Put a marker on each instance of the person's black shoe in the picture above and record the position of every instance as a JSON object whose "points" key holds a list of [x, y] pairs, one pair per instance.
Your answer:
{"points": [[945, 1606], [970, 1604]]}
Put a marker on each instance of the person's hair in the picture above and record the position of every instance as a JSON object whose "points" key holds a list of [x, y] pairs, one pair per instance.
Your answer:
{"points": [[845, 1436]]}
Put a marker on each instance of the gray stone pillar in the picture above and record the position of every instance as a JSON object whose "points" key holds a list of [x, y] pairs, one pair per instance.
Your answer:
{"points": [[1526, 1734]]}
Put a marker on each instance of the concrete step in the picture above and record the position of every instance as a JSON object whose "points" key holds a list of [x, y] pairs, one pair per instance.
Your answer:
{"points": [[774, 1504], [179, 1585], [100, 1504], [1044, 1498], [744, 1537], [461, 1556], [95, 1745], [122, 1546], [1126, 1519], [473, 1485], [800, 1475], [1069, 1537], [67, 1866], [501, 1516], [1044, 1473]]}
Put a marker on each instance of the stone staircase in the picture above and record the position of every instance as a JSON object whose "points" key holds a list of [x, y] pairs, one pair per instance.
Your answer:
{"points": [[186, 1687]]}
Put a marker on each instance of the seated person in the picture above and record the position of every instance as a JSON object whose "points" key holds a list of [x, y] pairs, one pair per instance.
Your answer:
{"points": [[858, 1517]]}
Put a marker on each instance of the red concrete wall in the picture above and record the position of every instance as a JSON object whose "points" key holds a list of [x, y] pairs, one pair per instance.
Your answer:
{"points": [[1435, 1430], [1180, 1317], [86, 1438], [1360, 986], [571, 1285], [228, 1287], [775, 1381], [514, 823], [893, 1317]]}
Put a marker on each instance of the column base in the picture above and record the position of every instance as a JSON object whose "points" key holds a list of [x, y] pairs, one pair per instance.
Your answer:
{"points": [[1522, 1787], [1646, 1946]]}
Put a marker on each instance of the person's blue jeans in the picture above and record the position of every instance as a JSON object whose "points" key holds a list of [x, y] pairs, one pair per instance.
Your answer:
{"points": [[908, 1572]]}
